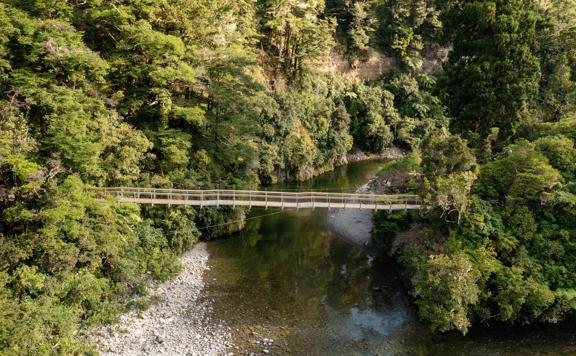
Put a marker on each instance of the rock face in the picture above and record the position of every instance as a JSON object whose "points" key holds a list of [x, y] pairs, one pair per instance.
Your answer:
{"points": [[178, 325], [372, 67]]}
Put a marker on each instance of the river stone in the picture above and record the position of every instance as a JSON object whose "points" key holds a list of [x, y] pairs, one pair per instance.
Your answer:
{"points": [[179, 324]]}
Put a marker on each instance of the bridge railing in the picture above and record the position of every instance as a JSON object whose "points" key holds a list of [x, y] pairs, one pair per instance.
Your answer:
{"points": [[260, 198]]}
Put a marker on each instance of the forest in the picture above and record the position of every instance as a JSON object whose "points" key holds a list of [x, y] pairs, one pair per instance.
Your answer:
{"points": [[481, 95]]}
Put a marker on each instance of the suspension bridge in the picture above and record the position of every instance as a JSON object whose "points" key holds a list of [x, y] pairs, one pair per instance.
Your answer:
{"points": [[263, 198]]}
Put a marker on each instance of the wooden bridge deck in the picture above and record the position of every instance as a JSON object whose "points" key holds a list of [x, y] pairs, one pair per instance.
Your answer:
{"points": [[262, 198]]}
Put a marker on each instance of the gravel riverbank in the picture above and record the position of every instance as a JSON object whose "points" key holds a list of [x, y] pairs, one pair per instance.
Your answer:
{"points": [[353, 225], [179, 324]]}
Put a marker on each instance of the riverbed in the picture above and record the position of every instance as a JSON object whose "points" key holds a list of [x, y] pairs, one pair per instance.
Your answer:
{"points": [[303, 283], [288, 283]]}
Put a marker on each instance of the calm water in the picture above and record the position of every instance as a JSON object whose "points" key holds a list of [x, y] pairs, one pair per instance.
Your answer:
{"points": [[287, 277]]}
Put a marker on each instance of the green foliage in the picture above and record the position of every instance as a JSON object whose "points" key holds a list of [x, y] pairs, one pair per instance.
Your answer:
{"points": [[405, 28], [446, 289], [516, 292], [520, 174], [372, 111], [65, 255], [451, 194], [294, 32], [445, 154], [492, 73], [421, 112], [355, 24], [514, 196], [304, 132], [515, 233], [206, 93], [560, 153], [55, 84], [161, 261], [557, 40]]}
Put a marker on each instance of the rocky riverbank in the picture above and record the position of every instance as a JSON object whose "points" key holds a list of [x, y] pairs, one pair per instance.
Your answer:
{"points": [[388, 154], [179, 324]]}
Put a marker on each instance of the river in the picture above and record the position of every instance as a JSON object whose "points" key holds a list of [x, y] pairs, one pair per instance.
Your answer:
{"points": [[289, 278]]}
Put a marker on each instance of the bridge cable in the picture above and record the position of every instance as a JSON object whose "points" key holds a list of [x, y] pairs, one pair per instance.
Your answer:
{"points": [[239, 221]]}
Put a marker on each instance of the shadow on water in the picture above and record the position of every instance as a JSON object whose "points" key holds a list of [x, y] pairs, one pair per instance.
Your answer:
{"points": [[287, 277]]}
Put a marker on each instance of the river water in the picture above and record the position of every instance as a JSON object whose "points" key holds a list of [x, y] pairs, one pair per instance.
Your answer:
{"points": [[289, 278]]}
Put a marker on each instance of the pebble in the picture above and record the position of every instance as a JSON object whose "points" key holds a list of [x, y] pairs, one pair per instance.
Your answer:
{"points": [[179, 324]]}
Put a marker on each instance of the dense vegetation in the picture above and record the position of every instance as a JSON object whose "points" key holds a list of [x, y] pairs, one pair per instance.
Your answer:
{"points": [[200, 93], [497, 242], [172, 93]]}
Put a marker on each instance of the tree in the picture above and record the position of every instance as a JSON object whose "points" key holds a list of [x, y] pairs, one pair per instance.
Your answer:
{"points": [[420, 111], [444, 154], [519, 174], [451, 194], [557, 41], [295, 32], [492, 72], [516, 292], [405, 28], [355, 22], [446, 289], [372, 111], [560, 152], [56, 83]]}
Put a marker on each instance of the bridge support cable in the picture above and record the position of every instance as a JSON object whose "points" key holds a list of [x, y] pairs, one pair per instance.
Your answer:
{"points": [[266, 199]]}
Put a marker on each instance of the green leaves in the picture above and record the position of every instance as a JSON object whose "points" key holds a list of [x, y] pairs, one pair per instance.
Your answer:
{"points": [[295, 33], [446, 289], [45, 9], [372, 112], [193, 93], [29, 281], [520, 174], [445, 154], [452, 194], [492, 73], [567, 296], [516, 292], [405, 28], [56, 86]]}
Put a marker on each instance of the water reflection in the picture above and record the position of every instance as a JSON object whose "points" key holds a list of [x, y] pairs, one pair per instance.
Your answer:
{"points": [[329, 294], [364, 323], [288, 278]]}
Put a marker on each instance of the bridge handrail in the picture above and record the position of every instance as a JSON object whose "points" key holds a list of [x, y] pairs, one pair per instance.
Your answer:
{"points": [[234, 197], [265, 198], [254, 193]]}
